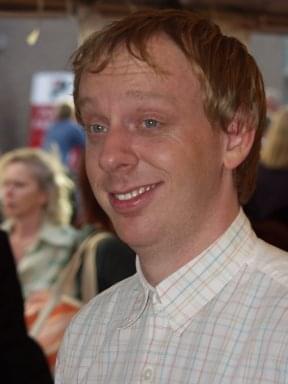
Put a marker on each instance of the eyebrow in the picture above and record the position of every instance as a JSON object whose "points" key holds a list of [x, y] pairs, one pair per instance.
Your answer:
{"points": [[142, 95], [133, 94]]}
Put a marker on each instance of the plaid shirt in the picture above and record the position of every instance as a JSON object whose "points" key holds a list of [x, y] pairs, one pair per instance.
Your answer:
{"points": [[222, 318]]}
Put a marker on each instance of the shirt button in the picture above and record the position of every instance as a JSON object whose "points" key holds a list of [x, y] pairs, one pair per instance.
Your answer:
{"points": [[147, 376], [156, 299]]}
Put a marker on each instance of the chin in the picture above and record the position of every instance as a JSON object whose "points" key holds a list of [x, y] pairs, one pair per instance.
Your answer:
{"points": [[129, 238], [135, 238]]}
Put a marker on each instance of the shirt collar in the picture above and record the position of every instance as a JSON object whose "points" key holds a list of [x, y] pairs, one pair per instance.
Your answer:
{"points": [[185, 292]]}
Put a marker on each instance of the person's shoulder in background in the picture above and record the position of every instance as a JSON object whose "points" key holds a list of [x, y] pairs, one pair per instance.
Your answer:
{"points": [[115, 262], [21, 359], [114, 259]]}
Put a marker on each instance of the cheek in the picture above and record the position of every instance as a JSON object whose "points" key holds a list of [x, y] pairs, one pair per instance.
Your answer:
{"points": [[32, 194], [92, 172], [196, 162], [22, 194], [89, 165], [94, 175], [91, 159]]}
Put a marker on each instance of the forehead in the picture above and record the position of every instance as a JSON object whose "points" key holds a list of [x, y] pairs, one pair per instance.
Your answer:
{"points": [[169, 67], [19, 169]]}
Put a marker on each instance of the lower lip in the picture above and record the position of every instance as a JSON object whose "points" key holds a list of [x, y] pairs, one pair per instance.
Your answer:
{"points": [[133, 205]]}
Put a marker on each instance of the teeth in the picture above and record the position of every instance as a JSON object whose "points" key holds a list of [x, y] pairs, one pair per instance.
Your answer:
{"points": [[134, 193]]}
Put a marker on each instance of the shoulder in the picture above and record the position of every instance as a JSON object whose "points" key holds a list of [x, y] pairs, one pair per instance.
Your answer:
{"points": [[4, 242], [5, 249], [112, 308], [8, 276], [95, 326], [59, 235], [74, 127], [271, 261]]}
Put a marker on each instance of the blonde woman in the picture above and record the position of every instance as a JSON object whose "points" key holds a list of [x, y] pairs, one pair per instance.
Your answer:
{"points": [[36, 207]]}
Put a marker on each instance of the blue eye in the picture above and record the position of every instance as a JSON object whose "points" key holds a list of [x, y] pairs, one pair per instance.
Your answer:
{"points": [[151, 123], [95, 128]]}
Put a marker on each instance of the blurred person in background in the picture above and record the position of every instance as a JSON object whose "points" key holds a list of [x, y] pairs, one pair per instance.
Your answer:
{"points": [[268, 207], [21, 358], [114, 259], [36, 206], [65, 138]]}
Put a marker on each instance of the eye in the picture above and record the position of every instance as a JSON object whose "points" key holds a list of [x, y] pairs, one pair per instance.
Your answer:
{"points": [[95, 128], [150, 123]]}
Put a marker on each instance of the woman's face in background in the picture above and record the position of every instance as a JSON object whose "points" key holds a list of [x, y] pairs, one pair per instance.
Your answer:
{"points": [[21, 195]]}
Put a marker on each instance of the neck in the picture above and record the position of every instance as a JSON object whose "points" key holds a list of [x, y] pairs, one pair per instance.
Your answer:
{"points": [[28, 225], [178, 251], [24, 234]]}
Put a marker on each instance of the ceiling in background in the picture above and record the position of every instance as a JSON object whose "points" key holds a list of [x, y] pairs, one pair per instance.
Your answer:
{"points": [[259, 15]]}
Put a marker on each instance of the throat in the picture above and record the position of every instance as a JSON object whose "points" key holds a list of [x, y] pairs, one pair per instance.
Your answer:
{"points": [[21, 243]]}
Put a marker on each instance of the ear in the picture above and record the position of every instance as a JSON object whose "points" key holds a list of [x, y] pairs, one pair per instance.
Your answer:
{"points": [[239, 139]]}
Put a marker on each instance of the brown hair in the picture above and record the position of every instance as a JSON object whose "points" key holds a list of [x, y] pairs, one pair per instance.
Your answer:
{"points": [[230, 79], [65, 111]]}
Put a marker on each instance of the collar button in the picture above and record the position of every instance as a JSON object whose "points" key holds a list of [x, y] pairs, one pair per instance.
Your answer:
{"points": [[147, 376]]}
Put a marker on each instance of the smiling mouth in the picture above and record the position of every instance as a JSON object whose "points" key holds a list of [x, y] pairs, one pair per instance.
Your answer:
{"points": [[133, 193]]}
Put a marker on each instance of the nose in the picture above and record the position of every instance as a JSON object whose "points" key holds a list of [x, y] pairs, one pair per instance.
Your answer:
{"points": [[117, 152], [5, 193], [6, 190]]}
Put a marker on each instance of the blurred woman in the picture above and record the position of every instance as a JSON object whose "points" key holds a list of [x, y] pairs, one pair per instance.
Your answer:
{"points": [[35, 198]]}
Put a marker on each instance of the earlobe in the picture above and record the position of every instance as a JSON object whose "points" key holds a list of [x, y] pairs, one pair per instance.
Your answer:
{"points": [[238, 143]]}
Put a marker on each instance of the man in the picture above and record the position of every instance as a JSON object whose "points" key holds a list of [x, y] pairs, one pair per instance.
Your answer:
{"points": [[65, 138], [173, 112]]}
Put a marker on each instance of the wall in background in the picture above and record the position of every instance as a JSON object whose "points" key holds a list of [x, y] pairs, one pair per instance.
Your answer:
{"points": [[269, 52], [19, 61]]}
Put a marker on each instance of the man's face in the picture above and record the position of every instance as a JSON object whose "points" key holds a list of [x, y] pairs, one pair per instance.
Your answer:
{"points": [[153, 159]]}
